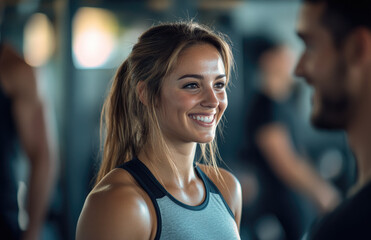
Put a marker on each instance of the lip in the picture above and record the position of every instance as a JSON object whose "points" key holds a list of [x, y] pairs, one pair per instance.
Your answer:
{"points": [[204, 124]]}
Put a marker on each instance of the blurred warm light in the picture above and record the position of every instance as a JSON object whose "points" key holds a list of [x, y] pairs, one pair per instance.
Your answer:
{"points": [[159, 5], [38, 45], [94, 37], [218, 4]]}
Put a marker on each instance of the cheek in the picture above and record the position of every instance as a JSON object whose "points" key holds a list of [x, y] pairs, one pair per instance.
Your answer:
{"points": [[223, 103], [178, 102], [319, 66], [333, 86], [184, 102], [325, 61]]}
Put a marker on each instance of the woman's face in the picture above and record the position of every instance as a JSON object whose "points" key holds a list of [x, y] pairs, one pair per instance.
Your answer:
{"points": [[193, 96]]}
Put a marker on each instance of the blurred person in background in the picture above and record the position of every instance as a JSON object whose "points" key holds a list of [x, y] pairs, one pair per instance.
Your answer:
{"points": [[22, 126], [337, 64], [167, 96], [282, 175]]}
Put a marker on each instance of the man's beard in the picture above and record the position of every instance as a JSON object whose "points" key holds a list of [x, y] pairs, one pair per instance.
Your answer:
{"points": [[335, 107]]}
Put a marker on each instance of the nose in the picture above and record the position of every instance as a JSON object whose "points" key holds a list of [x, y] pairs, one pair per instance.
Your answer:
{"points": [[210, 98], [302, 69]]}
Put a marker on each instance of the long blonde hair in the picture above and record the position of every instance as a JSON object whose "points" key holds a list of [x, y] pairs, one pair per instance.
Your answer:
{"points": [[126, 122]]}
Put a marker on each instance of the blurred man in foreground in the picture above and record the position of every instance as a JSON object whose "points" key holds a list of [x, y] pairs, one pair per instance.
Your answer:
{"points": [[337, 63]]}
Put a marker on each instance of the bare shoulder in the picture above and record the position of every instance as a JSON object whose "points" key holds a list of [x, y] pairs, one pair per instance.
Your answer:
{"points": [[17, 77], [228, 185], [117, 208]]}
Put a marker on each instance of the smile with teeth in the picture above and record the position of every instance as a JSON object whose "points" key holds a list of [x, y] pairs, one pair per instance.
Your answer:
{"points": [[203, 118]]}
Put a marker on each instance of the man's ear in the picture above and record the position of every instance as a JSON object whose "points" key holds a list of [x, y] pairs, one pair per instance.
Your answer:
{"points": [[358, 46], [142, 92], [366, 42]]}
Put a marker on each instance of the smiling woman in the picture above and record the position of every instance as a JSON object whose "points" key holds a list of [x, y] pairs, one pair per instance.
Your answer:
{"points": [[168, 96], [193, 104]]}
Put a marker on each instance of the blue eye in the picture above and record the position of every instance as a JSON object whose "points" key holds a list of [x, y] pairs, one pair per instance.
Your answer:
{"points": [[190, 86]]}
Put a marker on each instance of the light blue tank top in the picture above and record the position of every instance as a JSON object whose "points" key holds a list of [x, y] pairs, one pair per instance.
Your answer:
{"points": [[212, 219]]}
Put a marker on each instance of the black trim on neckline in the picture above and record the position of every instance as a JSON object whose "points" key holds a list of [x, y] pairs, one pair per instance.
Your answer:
{"points": [[155, 190], [165, 192]]}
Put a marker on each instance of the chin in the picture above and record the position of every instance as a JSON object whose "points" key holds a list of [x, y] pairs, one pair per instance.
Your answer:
{"points": [[333, 113], [206, 139], [328, 121]]}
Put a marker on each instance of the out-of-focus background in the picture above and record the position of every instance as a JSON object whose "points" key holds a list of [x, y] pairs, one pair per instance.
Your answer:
{"points": [[76, 46]]}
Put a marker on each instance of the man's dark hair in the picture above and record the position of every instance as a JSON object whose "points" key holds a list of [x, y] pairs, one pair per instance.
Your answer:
{"points": [[341, 17]]}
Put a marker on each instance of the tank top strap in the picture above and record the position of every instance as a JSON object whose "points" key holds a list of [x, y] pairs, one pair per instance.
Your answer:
{"points": [[144, 177], [213, 188], [209, 184]]}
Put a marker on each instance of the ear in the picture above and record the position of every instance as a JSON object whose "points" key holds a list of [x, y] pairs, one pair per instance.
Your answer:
{"points": [[358, 47], [366, 38], [142, 92]]}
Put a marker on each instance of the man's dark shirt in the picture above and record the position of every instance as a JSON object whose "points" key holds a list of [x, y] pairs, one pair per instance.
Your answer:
{"points": [[351, 220]]}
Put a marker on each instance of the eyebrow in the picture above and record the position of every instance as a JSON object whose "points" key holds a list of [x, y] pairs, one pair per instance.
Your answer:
{"points": [[200, 77]]}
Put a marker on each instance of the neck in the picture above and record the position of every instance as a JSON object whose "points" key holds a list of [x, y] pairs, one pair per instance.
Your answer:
{"points": [[175, 169], [359, 135]]}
